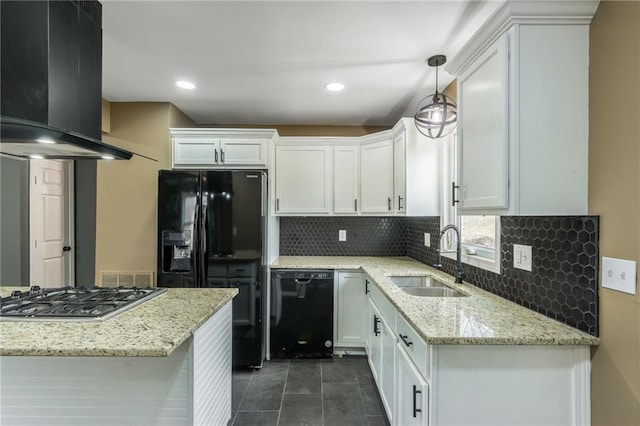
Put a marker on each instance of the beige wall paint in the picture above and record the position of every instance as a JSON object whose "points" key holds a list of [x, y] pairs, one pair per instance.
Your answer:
{"points": [[614, 194], [126, 190]]}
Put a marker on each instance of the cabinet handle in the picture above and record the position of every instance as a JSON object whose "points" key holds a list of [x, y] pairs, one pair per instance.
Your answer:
{"points": [[221, 155], [405, 339], [399, 202], [416, 410], [376, 321], [277, 204], [216, 151], [355, 204], [366, 286], [389, 203], [453, 194]]}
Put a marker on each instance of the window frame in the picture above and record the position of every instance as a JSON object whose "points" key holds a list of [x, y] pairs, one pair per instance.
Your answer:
{"points": [[486, 259]]}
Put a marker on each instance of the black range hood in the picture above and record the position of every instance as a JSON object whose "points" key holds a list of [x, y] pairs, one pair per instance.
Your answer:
{"points": [[51, 80]]}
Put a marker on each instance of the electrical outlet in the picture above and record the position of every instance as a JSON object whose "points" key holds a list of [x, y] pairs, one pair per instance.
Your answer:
{"points": [[427, 239], [618, 274], [522, 257], [342, 235]]}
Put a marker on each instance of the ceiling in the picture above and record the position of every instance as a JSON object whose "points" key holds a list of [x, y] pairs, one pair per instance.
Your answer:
{"points": [[267, 62]]}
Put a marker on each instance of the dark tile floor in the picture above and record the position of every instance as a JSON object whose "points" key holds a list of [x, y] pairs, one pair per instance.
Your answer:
{"points": [[330, 392]]}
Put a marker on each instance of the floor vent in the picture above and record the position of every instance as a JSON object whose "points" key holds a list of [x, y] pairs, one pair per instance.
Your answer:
{"points": [[126, 279]]}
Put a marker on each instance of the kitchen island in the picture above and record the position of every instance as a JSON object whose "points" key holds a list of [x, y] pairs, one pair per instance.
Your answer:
{"points": [[166, 361], [474, 360]]}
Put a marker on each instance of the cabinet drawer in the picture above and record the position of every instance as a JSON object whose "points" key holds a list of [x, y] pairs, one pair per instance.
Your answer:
{"points": [[418, 350], [387, 310]]}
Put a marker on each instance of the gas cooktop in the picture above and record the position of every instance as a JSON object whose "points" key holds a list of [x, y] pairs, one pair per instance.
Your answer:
{"points": [[73, 303]]}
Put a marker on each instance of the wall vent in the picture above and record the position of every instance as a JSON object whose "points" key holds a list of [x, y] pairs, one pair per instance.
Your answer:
{"points": [[126, 279]]}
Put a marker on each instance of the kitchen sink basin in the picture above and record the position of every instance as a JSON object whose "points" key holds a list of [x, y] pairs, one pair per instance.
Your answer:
{"points": [[433, 292], [417, 281]]}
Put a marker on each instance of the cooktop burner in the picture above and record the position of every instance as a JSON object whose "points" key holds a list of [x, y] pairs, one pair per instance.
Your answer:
{"points": [[73, 303]]}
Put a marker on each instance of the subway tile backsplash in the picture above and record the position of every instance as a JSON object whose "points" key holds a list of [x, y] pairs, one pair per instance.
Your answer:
{"points": [[562, 285]]}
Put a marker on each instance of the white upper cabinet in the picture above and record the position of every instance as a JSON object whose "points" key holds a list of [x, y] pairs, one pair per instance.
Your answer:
{"points": [[346, 179], [523, 111], [303, 179], [376, 177], [483, 131], [417, 171], [220, 148]]}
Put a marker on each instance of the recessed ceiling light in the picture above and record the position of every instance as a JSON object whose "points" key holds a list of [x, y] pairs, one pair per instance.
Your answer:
{"points": [[36, 157], [45, 140], [185, 84], [107, 157], [334, 86]]}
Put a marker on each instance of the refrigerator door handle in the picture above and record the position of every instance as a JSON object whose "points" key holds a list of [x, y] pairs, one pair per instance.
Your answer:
{"points": [[203, 242], [195, 240]]}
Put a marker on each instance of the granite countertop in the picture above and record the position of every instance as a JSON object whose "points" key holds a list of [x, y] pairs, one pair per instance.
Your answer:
{"points": [[480, 319], [154, 328]]}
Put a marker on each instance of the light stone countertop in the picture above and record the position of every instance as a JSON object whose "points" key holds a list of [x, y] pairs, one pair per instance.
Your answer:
{"points": [[154, 328], [480, 319]]}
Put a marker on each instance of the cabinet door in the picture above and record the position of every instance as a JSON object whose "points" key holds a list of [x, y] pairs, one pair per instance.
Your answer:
{"points": [[352, 309], [243, 152], [399, 174], [376, 177], [374, 341], [303, 179], [483, 132], [412, 391], [195, 152], [345, 179], [387, 370]]}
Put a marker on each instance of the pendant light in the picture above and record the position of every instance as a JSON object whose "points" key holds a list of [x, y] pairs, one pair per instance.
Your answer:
{"points": [[437, 113]]}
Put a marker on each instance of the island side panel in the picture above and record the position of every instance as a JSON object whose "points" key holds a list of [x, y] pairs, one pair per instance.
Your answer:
{"points": [[190, 386], [511, 385], [96, 390], [212, 370]]}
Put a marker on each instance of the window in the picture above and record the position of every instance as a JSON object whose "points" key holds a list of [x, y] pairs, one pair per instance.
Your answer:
{"points": [[480, 235]]}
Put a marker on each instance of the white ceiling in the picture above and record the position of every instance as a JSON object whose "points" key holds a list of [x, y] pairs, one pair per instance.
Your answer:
{"points": [[266, 62]]}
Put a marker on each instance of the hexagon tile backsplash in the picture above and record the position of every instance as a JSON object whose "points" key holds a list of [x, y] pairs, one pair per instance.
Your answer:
{"points": [[562, 285], [563, 282]]}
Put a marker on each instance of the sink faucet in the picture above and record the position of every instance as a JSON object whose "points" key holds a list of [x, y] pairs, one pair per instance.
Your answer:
{"points": [[459, 271]]}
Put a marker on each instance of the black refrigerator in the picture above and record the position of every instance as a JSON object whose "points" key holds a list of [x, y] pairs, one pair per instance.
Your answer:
{"points": [[212, 233]]}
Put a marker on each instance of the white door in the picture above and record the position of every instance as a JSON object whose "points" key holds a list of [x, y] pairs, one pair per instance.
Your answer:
{"points": [[50, 223]]}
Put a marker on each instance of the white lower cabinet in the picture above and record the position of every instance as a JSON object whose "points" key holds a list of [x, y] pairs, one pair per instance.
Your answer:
{"points": [[351, 313], [424, 384], [374, 342], [387, 374], [412, 392]]}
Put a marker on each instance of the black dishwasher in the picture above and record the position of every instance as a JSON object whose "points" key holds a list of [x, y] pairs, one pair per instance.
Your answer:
{"points": [[301, 313]]}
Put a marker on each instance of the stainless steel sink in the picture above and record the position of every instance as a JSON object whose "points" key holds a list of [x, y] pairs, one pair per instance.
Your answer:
{"points": [[433, 292], [417, 281], [425, 286]]}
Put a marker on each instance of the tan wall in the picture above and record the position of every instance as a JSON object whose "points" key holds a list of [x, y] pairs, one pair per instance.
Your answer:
{"points": [[126, 190], [614, 194]]}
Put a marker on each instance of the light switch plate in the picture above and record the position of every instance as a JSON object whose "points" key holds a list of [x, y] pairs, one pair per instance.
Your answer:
{"points": [[522, 257], [619, 274], [427, 239], [342, 235]]}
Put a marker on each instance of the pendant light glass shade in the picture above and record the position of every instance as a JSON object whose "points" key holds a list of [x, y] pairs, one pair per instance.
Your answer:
{"points": [[437, 114]]}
